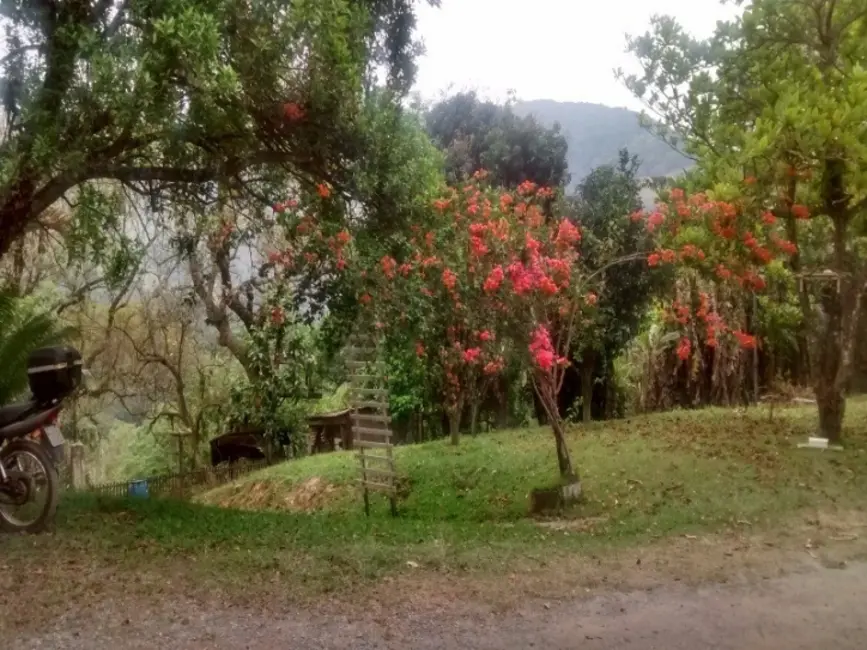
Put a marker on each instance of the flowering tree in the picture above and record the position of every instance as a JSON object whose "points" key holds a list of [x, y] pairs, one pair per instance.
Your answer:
{"points": [[493, 279], [726, 251]]}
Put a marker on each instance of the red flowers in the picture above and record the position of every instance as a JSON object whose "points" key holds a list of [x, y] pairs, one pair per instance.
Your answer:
{"points": [[388, 265], [323, 190], [567, 234], [449, 279], [485, 336], [527, 188], [746, 341], [478, 247], [591, 298], [800, 211], [494, 367], [655, 220], [494, 280], [541, 348], [472, 355], [547, 286], [293, 112], [684, 349]]}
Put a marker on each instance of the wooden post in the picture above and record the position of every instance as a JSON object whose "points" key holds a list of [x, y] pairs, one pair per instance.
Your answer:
{"points": [[76, 466]]}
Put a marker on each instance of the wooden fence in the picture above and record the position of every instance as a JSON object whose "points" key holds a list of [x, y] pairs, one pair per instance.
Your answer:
{"points": [[178, 485]]}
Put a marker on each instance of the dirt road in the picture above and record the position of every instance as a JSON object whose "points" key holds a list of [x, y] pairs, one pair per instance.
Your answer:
{"points": [[818, 609]]}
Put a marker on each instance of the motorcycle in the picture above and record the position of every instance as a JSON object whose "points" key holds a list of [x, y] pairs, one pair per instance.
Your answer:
{"points": [[31, 443]]}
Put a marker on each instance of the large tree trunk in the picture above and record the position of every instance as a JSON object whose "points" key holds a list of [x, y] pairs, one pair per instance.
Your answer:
{"points": [[841, 304], [454, 415], [474, 417]]}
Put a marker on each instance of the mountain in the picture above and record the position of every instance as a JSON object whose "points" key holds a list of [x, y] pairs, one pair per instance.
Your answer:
{"points": [[596, 133]]}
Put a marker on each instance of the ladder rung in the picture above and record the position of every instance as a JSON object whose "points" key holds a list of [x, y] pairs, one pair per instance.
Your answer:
{"points": [[380, 487], [384, 419], [367, 444], [381, 392], [381, 459], [365, 377], [351, 363], [354, 349], [370, 405], [362, 431], [380, 472]]}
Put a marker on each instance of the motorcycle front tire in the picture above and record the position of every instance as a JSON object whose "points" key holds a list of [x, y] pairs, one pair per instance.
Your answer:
{"points": [[53, 485]]}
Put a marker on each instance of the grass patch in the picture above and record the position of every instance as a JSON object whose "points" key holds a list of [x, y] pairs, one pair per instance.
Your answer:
{"points": [[465, 508]]}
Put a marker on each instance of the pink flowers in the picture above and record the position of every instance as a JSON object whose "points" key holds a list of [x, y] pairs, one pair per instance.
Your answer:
{"points": [[449, 279], [746, 341], [522, 280], [684, 348], [567, 234], [494, 367], [494, 280], [472, 355], [543, 351], [388, 266], [654, 221]]}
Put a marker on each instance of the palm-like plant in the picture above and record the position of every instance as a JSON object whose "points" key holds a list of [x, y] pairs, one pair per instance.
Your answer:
{"points": [[24, 326]]}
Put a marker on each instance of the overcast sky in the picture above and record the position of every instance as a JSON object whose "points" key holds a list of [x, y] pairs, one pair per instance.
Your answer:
{"points": [[544, 49]]}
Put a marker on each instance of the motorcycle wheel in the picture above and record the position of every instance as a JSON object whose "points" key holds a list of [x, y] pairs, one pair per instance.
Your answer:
{"points": [[8, 521]]}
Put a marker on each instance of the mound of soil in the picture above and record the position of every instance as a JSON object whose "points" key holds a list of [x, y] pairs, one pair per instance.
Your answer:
{"points": [[308, 496]]}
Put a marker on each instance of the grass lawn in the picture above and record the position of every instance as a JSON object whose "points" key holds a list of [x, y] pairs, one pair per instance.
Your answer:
{"points": [[465, 509]]}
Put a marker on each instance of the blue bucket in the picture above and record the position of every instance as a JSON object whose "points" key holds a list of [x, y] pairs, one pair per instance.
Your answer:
{"points": [[138, 489]]}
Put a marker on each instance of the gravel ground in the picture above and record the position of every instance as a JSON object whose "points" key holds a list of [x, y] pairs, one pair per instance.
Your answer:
{"points": [[818, 609]]}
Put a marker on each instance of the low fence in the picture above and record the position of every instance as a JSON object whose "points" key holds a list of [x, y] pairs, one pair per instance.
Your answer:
{"points": [[178, 485]]}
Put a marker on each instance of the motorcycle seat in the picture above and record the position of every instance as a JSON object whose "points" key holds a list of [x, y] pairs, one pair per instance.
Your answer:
{"points": [[13, 412]]}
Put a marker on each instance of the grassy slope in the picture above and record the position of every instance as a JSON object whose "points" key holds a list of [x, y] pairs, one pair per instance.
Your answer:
{"points": [[644, 478]]}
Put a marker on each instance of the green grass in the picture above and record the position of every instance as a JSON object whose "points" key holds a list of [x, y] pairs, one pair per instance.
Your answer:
{"points": [[466, 508]]}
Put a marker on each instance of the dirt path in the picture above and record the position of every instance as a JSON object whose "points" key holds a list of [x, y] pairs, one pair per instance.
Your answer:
{"points": [[821, 608]]}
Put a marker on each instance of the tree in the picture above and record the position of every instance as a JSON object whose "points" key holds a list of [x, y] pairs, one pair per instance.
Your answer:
{"points": [[605, 203], [476, 134], [724, 243], [773, 106], [493, 279], [167, 98], [180, 380]]}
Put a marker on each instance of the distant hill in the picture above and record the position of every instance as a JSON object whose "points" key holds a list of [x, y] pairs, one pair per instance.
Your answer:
{"points": [[596, 133]]}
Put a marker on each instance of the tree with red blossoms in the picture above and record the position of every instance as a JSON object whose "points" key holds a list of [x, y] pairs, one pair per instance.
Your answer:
{"points": [[493, 280], [732, 248]]}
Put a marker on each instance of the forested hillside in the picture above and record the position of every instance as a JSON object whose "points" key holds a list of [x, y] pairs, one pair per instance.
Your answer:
{"points": [[596, 133]]}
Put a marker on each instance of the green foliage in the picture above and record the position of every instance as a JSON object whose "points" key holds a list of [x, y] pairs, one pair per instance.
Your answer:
{"points": [[478, 134], [166, 97], [131, 451], [24, 326], [606, 202]]}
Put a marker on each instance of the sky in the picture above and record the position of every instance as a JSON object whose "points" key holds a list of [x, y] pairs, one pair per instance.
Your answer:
{"points": [[564, 50]]}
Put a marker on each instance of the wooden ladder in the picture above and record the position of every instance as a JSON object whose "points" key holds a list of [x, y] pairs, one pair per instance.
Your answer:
{"points": [[371, 424]]}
